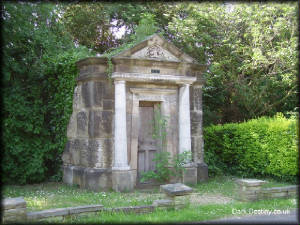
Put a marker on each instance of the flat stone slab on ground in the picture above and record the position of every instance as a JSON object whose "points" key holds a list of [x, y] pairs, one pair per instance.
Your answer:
{"points": [[250, 182], [175, 189]]}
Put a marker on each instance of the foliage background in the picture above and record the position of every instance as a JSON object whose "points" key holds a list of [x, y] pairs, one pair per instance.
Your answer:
{"points": [[251, 50], [256, 148]]}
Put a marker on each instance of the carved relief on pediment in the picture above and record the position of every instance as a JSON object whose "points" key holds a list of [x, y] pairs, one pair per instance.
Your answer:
{"points": [[155, 52]]}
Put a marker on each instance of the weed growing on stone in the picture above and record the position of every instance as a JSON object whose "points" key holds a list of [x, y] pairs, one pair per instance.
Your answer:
{"points": [[165, 165]]}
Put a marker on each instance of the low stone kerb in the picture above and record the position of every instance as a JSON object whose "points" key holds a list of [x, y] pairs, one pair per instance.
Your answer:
{"points": [[162, 203], [63, 211]]}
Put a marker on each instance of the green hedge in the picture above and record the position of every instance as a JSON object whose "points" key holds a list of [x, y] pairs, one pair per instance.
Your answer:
{"points": [[264, 147]]}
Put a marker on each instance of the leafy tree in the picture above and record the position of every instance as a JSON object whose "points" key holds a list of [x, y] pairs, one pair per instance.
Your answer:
{"points": [[251, 52], [89, 24], [38, 80], [267, 76], [94, 24]]}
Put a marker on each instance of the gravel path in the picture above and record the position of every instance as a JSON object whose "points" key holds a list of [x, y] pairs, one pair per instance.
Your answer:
{"points": [[195, 198], [202, 199]]}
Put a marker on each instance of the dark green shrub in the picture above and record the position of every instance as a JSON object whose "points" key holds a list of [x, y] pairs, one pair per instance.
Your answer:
{"points": [[35, 119], [39, 77], [259, 147]]}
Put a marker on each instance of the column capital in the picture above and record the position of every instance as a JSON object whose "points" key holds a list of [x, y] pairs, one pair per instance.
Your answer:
{"points": [[197, 85], [185, 85], [119, 81]]}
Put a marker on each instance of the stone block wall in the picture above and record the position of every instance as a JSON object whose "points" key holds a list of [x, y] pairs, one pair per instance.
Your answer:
{"points": [[251, 190], [90, 127], [196, 122], [90, 133], [278, 192], [196, 132], [14, 210]]}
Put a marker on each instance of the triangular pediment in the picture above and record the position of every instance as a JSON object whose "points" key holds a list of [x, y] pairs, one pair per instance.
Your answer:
{"points": [[156, 48]]}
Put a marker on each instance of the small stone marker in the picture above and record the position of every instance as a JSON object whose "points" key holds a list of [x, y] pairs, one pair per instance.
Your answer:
{"points": [[176, 193], [249, 189]]}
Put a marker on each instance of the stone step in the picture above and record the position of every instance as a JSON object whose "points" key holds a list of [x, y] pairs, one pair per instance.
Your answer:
{"points": [[177, 189]]}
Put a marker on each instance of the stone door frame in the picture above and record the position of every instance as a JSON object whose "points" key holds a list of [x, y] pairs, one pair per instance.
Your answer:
{"points": [[124, 171], [151, 95]]}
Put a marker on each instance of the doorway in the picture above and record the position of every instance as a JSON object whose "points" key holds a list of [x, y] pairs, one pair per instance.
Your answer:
{"points": [[147, 145]]}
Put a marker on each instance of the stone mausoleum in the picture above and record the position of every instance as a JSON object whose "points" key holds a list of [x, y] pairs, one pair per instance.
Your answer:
{"points": [[110, 138]]}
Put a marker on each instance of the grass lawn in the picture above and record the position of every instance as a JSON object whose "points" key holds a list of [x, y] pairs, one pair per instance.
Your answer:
{"points": [[213, 199]]}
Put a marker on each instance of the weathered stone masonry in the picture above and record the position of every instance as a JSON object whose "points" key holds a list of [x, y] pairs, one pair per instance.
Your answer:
{"points": [[102, 151], [87, 156]]}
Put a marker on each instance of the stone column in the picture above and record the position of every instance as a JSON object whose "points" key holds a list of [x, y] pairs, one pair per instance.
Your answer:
{"points": [[196, 132], [120, 154], [184, 119], [190, 174], [122, 176]]}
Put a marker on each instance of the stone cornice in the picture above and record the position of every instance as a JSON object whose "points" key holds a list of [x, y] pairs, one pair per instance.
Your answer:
{"points": [[149, 62], [144, 78], [157, 91], [116, 60]]}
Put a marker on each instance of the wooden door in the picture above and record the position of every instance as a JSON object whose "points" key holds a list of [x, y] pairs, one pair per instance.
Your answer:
{"points": [[146, 144]]}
